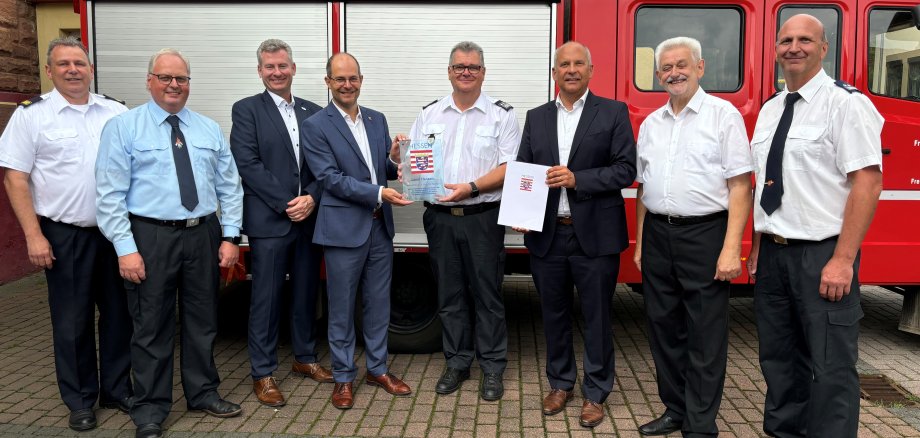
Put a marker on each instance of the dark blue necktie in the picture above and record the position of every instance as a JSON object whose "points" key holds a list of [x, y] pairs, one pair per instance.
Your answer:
{"points": [[772, 195], [187, 191]]}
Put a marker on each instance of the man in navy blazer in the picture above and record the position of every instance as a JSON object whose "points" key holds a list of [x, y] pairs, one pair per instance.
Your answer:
{"points": [[588, 142], [347, 149], [280, 198]]}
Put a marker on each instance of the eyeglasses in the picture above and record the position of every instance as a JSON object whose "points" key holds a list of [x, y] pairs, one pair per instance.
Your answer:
{"points": [[339, 80], [167, 79], [458, 69]]}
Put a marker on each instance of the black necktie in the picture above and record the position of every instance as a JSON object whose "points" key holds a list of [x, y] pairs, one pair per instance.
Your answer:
{"points": [[187, 190], [772, 195]]}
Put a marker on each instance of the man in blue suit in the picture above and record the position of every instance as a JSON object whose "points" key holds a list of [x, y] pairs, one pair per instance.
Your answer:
{"points": [[347, 148], [280, 196]]}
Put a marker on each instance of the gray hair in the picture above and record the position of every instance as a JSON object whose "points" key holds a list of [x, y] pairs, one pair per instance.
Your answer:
{"points": [[65, 42], [329, 63], [696, 52], [587, 52], [467, 47], [168, 51], [271, 46]]}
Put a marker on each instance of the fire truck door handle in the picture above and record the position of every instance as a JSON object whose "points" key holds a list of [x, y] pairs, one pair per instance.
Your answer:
{"points": [[886, 151]]}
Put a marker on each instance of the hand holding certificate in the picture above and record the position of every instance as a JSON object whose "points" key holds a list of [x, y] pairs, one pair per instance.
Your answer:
{"points": [[421, 166], [524, 196]]}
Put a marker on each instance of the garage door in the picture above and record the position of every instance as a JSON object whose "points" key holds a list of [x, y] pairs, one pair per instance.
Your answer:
{"points": [[220, 41]]}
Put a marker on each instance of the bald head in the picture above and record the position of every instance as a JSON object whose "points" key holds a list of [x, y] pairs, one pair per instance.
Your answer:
{"points": [[808, 21], [800, 48]]}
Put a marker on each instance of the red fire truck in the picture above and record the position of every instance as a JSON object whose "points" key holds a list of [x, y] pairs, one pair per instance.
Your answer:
{"points": [[403, 48]]}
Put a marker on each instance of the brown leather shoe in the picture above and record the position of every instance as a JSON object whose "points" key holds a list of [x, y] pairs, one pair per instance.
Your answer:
{"points": [[389, 383], [555, 401], [343, 395], [266, 390], [313, 370], [591, 414]]}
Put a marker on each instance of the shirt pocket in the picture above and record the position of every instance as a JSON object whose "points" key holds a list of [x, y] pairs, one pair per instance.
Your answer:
{"points": [[204, 156], [805, 148], [702, 158], [760, 148], [62, 145], [431, 130], [485, 144], [151, 158]]}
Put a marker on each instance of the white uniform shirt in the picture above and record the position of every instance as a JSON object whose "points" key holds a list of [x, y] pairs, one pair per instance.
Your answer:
{"points": [[56, 144], [684, 159], [476, 141], [833, 132], [566, 124], [290, 121]]}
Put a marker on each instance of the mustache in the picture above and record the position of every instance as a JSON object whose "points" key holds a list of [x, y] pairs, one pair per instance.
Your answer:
{"points": [[679, 77]]}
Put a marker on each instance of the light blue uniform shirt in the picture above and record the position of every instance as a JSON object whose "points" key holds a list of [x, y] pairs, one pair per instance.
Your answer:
{"points": [[136, 174]]}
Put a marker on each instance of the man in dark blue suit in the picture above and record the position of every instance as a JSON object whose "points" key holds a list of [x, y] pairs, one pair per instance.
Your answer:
{"points": [[588, 142], [280, 197], [347, 149]]}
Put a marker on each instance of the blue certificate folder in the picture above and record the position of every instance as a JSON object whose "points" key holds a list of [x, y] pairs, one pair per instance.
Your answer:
{"points": [[423, 169]]}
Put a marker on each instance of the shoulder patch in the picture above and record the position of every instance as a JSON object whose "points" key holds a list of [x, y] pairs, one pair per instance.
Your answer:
{"points": [[771, 97], [503, 105], [112, 98], [850, 89], [31, 101], [430, 103]]}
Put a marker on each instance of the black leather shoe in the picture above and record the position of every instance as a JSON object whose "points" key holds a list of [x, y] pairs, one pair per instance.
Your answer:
{"points": [[149, 430], [491, 388], [450, 380], [82, 419], [662, 425], [123, 405], [220, 408]]}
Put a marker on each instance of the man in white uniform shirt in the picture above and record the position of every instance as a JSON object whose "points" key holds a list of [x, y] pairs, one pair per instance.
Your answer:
{"points": [[48, 150], [479, 135], [694, 198], [817, 155]]}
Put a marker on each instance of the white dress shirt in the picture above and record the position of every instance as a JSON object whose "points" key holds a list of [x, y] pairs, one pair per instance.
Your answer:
{"points": [[56, 144], [833, 132], [566, 124], [289, 116], [476, 141], [684, 159]]}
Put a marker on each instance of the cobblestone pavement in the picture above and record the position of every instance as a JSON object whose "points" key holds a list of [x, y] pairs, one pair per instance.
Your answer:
{"points": [[30, 406]]}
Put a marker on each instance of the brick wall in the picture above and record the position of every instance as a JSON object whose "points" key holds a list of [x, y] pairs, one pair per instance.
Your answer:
{"points": [[19, 79]]}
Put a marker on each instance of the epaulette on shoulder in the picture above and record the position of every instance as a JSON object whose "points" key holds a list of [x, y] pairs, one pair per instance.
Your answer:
{"points": [[771, 97], [430, 103], [112, 98], [850, 89], [31, 101], [503, 105]]}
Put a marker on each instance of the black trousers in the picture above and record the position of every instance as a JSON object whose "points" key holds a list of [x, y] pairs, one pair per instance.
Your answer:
{"points": [[595, 278], [808, 345], [182, 260], [687, 313], [468, 259], [84, 275]]}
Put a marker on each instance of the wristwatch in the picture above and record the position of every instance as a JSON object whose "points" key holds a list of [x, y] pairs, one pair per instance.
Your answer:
{"points": [[234, 240], [475, 192]]}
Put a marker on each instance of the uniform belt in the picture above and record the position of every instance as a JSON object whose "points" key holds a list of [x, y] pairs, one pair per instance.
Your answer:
{"points": [[377, 213], [780, 240], [181, 223], [564, 220], [463, 210], [689, 220]]}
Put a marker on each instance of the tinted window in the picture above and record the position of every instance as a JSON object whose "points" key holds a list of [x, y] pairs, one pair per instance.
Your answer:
{"points": [[830, 18], [894, 54], [719, 31]]}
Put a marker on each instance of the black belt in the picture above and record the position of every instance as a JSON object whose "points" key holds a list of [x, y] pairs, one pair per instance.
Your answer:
{"points": [[689, 220], [564, 220], [780, 240], [377, 213], [181, 223], [463, 210]]}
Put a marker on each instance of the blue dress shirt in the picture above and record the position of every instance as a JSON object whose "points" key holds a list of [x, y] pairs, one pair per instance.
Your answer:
{"points": [[135, 173]]}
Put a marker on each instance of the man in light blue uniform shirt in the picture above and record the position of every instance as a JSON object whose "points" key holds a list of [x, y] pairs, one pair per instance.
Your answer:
{"points": [[161, 174]]}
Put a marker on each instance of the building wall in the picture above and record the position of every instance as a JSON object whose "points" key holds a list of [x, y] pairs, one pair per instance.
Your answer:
{"points": [[18, 80]]}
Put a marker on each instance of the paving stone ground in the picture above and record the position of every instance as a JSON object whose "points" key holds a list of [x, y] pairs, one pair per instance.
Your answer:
{"points": [[30, 405]]}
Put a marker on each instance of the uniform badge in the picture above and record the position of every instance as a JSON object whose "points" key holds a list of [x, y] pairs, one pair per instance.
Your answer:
{"points": [[430, 138]]}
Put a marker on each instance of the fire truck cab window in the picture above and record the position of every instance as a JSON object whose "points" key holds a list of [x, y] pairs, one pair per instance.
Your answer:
{"points": [[894, 54], [830, 18], [719, 31]]}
